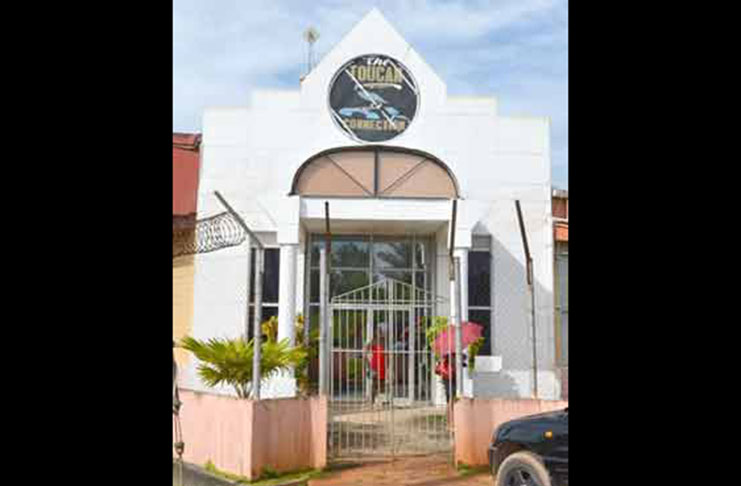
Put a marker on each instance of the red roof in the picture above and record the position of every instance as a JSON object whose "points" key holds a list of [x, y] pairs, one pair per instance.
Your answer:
{"points": [[185, 157], [560, 207], [562, 232]]}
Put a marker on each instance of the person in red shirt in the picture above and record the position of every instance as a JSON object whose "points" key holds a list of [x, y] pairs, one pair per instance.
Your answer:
{"points": [[377, 366], [446, 369]]}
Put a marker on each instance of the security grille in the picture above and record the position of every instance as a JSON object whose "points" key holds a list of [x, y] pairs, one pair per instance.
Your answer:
{"points": [[384, 397]]}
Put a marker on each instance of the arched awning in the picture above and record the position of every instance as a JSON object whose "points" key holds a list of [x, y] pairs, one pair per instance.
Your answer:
{"points": [[375, 172]]}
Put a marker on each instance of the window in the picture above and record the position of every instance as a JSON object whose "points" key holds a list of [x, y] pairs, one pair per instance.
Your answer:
{"points": [[358, 261], [269, 286], [479, 289], [562, 306]]}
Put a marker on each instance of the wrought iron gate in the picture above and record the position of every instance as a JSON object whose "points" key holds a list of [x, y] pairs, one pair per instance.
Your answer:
{"points": [[384, 396]]}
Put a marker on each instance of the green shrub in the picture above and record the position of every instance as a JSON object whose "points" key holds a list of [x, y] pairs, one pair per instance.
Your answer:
{"points": [[229, 361]]}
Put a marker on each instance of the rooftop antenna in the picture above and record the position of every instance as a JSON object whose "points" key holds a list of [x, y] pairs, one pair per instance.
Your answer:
{"points": [[310, 36]]}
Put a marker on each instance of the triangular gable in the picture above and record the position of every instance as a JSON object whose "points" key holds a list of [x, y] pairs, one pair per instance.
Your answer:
{"points": [[372, 35]]}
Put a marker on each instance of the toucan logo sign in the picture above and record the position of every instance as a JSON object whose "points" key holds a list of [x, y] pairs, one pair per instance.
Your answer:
{"points": [[373, 98]]}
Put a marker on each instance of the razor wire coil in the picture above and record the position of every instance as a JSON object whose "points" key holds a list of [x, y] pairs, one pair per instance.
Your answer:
{"points": [[207, 235]]}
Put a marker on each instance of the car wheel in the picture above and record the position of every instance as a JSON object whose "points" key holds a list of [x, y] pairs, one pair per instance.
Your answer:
{"points": [[522, 469]]}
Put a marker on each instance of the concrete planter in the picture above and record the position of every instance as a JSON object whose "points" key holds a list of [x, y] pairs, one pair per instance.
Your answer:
{"points": [[244, 436]]}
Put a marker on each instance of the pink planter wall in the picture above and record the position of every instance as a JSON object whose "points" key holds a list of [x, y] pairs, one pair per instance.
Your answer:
{"points": [[476, 419], [243, 436], [289, 434]]}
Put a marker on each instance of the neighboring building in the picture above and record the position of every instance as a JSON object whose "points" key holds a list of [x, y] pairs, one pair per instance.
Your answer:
{"points": [[185, 163], [561, 275], [389, 166]]}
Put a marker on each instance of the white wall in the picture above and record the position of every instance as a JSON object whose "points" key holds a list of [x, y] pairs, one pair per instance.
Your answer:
{"points": [[250, 154]]}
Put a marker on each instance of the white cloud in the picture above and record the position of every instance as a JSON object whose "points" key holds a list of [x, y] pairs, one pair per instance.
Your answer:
{"points": [[516, 50]]}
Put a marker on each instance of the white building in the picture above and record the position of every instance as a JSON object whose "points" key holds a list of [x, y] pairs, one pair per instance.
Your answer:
{"points": [[278, 159]]}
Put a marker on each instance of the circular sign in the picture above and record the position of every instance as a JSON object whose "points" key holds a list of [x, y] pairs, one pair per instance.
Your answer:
{"points": [[373, 98]]}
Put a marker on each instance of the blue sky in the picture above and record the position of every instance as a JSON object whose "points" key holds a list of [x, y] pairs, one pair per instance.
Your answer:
{"points": [[515, 50]]}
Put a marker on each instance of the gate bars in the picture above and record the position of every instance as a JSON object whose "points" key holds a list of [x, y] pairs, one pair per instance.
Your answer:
{"points": [[363, 331], [384, 397]]}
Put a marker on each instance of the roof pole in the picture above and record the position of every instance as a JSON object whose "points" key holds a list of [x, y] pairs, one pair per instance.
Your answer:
{"points": [[259, 269], [531, 289]]}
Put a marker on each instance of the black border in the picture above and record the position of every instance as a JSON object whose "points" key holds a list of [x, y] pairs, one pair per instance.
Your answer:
{"points": [[99, 190], [102, 164]]}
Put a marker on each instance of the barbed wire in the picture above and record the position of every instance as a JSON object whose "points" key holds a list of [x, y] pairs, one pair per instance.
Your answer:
{"points": [[207, 235]]}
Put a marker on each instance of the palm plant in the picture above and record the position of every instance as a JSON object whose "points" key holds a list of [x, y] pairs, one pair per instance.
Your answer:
{"points": [[303, 380], [229, 361], [270, 329]]}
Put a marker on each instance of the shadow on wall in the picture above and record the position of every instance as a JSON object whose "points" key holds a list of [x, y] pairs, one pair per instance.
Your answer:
{"points": [[495, 385], [512, 328]]}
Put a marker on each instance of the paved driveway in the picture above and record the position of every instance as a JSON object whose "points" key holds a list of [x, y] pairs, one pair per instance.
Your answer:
{"points": [[432, 470]]}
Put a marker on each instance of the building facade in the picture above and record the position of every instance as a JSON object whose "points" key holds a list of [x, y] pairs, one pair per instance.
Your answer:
{"points": [[561, 287], [373, 131], [185, 163]]}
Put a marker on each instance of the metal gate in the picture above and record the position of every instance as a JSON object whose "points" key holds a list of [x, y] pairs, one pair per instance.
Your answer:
{"points": [[384, 396]]}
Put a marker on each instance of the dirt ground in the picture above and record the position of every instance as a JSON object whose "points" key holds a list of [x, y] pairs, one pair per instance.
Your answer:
{"points": [[431, 470]]}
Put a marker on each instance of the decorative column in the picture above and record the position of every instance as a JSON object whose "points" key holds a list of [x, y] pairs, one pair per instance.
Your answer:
{"points": [[462, 255], [287, 292], [284, 384]]}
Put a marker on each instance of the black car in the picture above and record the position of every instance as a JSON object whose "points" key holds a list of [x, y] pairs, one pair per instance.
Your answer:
{"points": [[532, 451]]}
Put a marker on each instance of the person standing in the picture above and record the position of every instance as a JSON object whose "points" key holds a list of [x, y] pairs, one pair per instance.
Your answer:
{"points": [[377, 366], [446, 369]]}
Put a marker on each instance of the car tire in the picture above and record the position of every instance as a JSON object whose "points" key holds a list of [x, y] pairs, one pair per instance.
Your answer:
{"points": [[520, 469]]}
